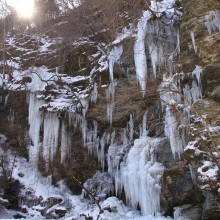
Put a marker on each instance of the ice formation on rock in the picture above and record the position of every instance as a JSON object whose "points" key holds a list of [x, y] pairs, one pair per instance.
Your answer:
{"points": [[94, 94], [212, 21], [51, 135], [65, 143], [140, 58], [140, 174], [131, 128], [35, 120], [195, 92], [174, 124], [114, 56]]}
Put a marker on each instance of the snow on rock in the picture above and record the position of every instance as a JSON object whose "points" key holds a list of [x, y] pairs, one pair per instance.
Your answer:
{"points": [[208, 175], [40, 77], [126, 33]]}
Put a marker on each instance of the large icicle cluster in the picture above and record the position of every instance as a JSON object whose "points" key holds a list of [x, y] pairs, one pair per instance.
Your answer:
{"points": [[114, 56], [176, 101], [159, 39], [139, 175], [135, 169]]}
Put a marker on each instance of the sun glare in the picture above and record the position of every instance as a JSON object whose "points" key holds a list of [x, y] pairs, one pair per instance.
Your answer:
{"points": [[25, 8]]}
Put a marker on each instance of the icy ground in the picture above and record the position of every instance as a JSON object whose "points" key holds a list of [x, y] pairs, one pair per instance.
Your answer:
{"points": [[75, 206]]}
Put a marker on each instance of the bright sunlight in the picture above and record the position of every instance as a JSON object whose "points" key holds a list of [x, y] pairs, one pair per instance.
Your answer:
{"points": [[25, 8]]}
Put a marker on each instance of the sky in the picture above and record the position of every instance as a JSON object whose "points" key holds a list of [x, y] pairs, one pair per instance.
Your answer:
{"points": [[25, 8]]}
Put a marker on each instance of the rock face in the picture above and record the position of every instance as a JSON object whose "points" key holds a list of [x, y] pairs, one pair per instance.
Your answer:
{"points": [[202, 19], [111, 117]]}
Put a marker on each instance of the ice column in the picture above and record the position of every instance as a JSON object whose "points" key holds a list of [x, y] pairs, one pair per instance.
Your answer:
{"points": [[51, 134], [139, 51], [35, 120]]}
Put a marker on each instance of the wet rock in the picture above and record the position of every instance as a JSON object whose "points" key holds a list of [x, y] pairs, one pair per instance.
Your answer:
{"points": [[211, 207], [12, 194], [216, 93], [60, 212], [4, 202], [188, 212], [178, 188], [18, 216], [4, 213]]}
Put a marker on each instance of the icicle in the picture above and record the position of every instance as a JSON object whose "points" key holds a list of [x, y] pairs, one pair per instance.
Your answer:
{"points": [[197, 72], [85, 106], [187, 93], [101, 152], [65, 146], [144, 125], [139, 51], [110, 109], [110, 93], [192, 34], [114, 57], [192, 173], [172, 132], [131, 127], [169, 91], [124, 137], [178, 42], [196, 92], [94, 94]]}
